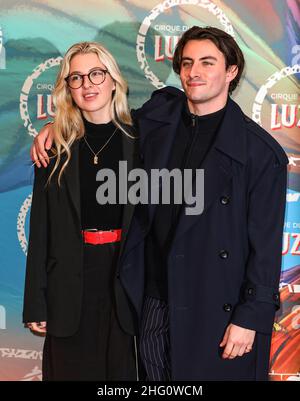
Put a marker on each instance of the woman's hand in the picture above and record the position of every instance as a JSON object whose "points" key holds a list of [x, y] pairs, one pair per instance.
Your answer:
{"points": [[38, 327]]}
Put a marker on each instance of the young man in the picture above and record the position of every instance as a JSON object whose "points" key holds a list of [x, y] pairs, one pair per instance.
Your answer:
{"points": [[206, 286]]}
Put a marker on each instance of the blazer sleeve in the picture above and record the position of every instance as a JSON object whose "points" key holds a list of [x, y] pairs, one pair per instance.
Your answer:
{"points": [[34, 308], [259, 298]]}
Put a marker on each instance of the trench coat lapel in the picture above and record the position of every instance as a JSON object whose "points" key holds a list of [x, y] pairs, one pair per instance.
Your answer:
{"points": [[158, 127], [131, 155], [217, 176], [229, 146]]}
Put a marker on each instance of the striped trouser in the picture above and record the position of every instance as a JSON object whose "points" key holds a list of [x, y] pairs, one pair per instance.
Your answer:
{"points": [[154, 340]]}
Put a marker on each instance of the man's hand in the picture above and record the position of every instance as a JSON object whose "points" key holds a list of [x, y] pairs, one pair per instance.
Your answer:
{"points": [[38, 327], [237, 341], [42, 142]]}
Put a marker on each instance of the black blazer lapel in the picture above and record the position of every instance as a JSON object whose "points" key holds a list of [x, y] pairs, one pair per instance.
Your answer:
{"points": [[71, 176], [72, 180]]}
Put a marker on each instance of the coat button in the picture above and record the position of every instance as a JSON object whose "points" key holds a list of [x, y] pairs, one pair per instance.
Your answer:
{"points": [[276, 297], [227, 307], [250, 291], [224, 200], [179, 256], [223, 254]]}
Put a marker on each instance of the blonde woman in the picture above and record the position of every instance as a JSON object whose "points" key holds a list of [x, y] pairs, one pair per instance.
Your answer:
{"points": [[73, 291]]}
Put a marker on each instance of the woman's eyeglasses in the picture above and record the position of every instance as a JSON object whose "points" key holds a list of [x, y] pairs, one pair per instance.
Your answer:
{"points": [[96, 77]]}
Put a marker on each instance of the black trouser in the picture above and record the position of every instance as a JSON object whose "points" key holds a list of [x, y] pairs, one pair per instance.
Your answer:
{"points": [[154, 340]]}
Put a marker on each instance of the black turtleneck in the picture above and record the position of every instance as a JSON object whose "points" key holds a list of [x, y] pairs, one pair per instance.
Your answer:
{"points": [[94, 215], [191, 144]]}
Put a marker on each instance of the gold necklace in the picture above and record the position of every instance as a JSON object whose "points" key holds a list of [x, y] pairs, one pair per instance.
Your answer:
{"points": [[95, 158]]}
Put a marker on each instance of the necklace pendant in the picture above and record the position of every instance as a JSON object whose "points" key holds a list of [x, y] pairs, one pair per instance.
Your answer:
{"points": [[95, 159]]}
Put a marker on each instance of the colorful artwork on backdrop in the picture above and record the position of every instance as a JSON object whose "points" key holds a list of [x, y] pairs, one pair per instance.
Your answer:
{"points": [[34, 35]]}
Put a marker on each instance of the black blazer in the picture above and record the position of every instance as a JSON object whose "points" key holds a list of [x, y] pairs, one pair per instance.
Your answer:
{"points": [[53, 284]]}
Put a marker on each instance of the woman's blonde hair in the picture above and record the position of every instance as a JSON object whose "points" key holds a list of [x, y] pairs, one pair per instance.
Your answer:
{"points": [[68, 124]]}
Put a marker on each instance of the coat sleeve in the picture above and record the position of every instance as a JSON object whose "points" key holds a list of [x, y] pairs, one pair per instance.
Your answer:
{"points": [[158, 97], [34, 308], [259, 298]]}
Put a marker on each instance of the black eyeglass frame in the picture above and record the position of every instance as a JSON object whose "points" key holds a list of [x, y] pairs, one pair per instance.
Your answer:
{"points": [[89, 77]]}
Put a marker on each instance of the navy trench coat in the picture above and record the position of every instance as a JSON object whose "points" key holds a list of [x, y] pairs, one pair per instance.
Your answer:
{"points": [[224, 264]]}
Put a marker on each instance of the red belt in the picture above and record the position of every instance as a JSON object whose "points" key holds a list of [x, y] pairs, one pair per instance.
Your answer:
{"points": [[97, 237]]}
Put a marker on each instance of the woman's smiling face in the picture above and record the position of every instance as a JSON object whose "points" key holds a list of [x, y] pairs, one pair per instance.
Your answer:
{"points": [[93, 100]]}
